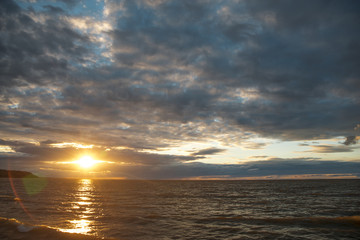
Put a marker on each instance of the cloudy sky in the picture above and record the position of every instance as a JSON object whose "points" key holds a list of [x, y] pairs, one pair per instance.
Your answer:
{"points": [[183, 89]]}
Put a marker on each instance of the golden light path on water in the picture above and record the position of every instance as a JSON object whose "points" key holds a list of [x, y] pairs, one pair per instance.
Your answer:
{"points": [[83, 200]]}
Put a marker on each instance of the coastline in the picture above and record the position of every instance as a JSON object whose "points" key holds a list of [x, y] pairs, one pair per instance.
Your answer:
{"points": [[16, 174]]}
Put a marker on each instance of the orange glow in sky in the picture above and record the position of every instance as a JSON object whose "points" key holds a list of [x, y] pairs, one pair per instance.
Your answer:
{"points": [[86, 161]]}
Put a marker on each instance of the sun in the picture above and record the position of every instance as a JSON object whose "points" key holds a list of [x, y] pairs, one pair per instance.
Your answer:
{"points": [[86, 161]]}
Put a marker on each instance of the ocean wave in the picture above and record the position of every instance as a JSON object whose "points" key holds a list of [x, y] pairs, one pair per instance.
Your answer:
{"points": [[14, 229], [353, 220]]}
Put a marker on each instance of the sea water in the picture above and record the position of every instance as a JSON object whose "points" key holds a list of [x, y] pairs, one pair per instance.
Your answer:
{"points": [[136, 209]]}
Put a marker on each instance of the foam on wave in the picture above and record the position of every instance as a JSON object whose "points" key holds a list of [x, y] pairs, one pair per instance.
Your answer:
{"points": [[14, 229]]}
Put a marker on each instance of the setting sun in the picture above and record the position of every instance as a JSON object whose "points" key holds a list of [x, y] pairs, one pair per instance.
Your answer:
{"points": [[86, 161]]}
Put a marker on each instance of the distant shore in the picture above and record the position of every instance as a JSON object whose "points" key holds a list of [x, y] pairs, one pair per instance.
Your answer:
{"points": [[16, 174]]}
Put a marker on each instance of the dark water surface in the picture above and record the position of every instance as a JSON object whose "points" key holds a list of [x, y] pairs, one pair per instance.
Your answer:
{"points": [[121, 209]]}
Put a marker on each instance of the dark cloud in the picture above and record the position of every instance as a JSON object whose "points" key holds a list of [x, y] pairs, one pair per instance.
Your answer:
{"points": [[350, 140], [299, 86], [304, 144], [134, 157], [178, 71], [9, 7], [330, 149], [50, 152], [53, 10], [263, 157], [37, 47], [70, 3], [131, 163], [208, 151], [250, 169], [241, 62], [11, 143]]}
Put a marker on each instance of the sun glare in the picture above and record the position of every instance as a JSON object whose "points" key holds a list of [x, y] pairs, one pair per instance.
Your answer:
{"points": [[86, 161]]}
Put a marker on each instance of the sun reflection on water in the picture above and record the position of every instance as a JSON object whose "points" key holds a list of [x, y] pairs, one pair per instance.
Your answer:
{"points": [[79, 226], [84, 205]]}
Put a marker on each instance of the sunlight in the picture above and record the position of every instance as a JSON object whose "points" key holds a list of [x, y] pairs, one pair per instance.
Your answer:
{"points": [[79, 226], [84, 209], [86, 161]]}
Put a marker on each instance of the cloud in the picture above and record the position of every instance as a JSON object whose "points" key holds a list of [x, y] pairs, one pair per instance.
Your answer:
{"points": [[8, 6], [52, 153], [253, 145], [182, 62], [42, 53], [261, 156], [284, 89], [350, 140], [208, 151], [150, 74], [130, 163], [280, 168], [53, 10], [330, 149]]}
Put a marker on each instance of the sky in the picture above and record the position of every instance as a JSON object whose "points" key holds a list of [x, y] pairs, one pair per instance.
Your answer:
{"points": [[181, 89]]}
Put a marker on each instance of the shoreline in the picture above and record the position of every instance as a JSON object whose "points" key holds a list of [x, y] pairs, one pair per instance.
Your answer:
{"points": [[11, 228]]}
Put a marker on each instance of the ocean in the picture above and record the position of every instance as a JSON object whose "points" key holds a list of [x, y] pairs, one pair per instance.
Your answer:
{"points": [[49, 208]]}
